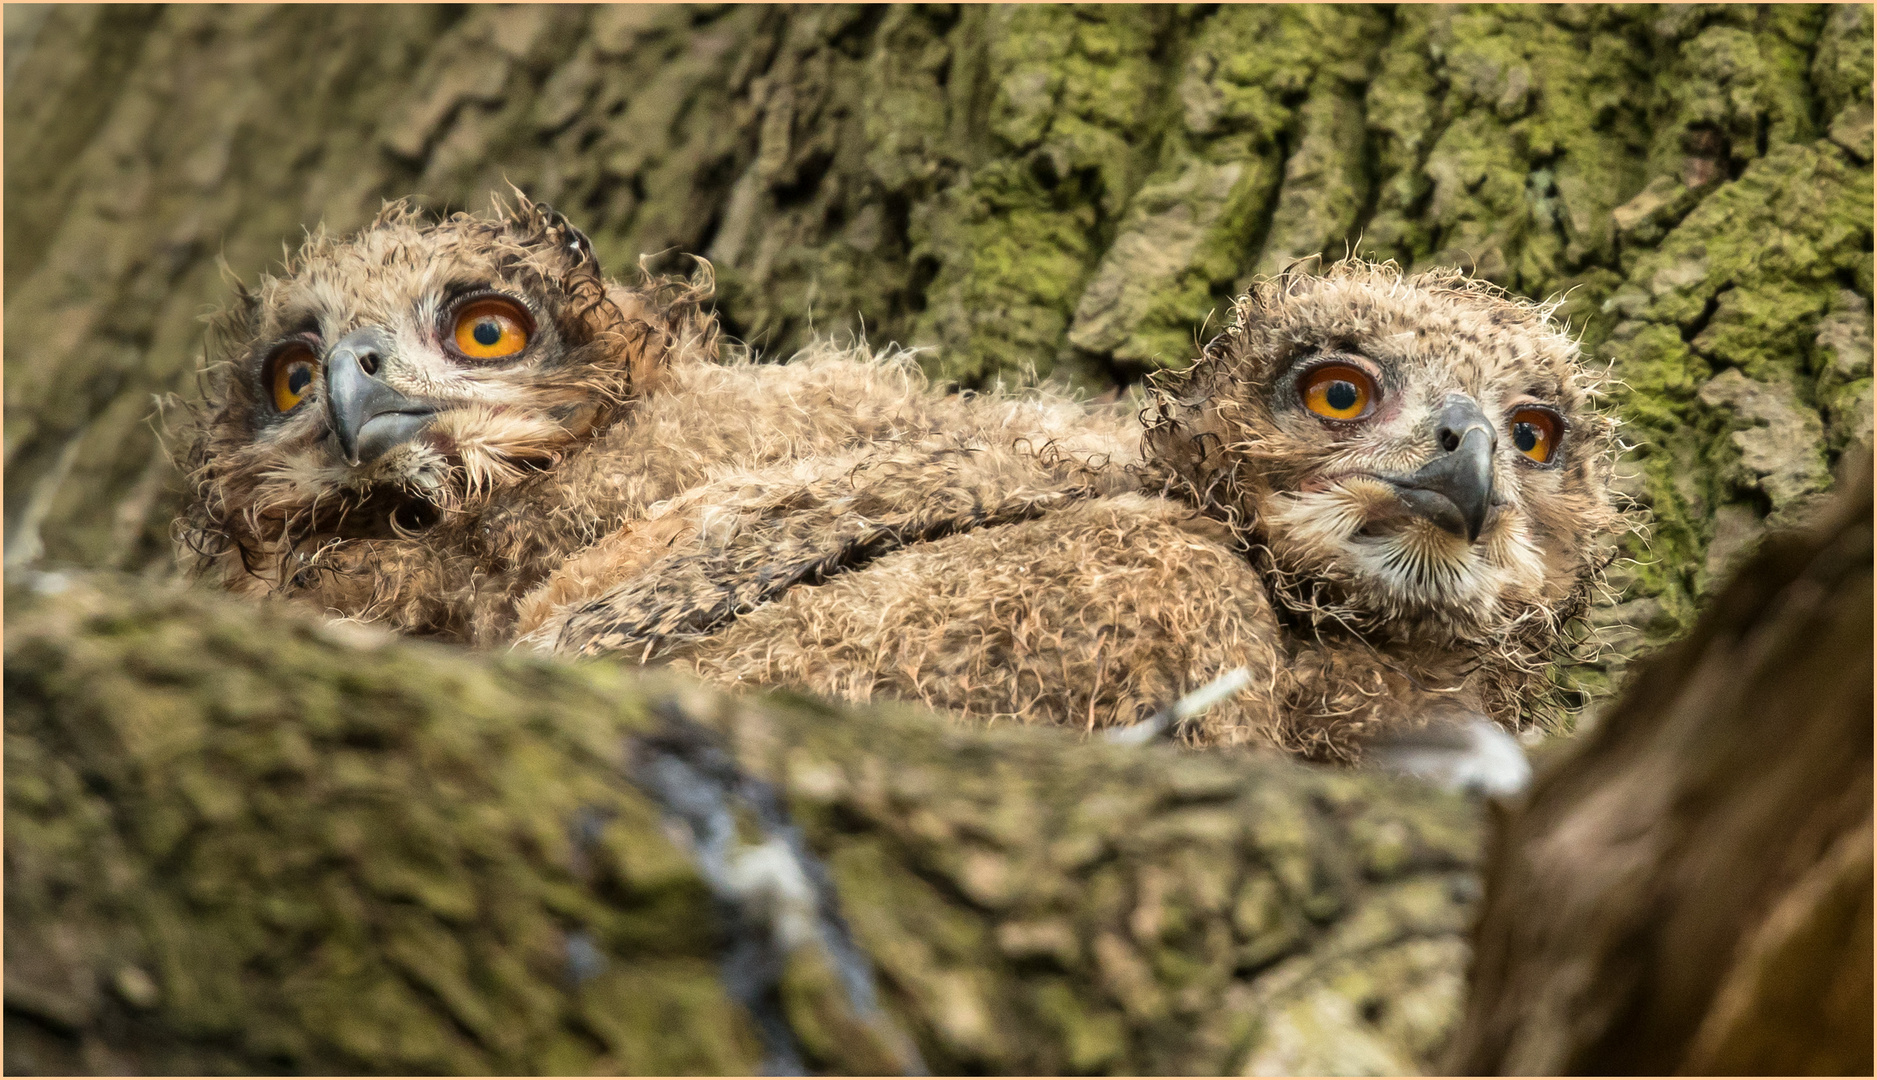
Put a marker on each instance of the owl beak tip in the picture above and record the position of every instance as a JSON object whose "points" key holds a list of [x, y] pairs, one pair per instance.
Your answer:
{"points": [[368, 417], [1455, 490]]}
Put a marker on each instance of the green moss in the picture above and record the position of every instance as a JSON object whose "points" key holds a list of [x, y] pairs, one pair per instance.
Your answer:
{"points": [[1743, 283], [1073, 92], [391, 889], [1017, 260], [1093, 1039], [1739, 74], [1762, 330], [1539, 142], [1193, 230], [670, 1018], [833, 1036]]}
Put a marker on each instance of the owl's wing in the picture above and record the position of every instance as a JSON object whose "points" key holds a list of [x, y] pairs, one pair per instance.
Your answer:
{"points": [[729, 548]]}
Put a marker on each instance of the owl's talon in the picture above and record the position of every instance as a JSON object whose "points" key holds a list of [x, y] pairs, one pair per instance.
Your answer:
{"points": [[1472, 755]]}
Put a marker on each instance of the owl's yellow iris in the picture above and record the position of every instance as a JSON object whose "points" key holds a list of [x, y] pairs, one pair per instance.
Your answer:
{"points": [[1339, 392], [292, 378], [1536, 433], [491, 329]]}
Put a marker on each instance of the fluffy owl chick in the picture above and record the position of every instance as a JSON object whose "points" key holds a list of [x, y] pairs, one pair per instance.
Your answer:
{"points": [[1416, 467], [417, 424], [1383, 497]]}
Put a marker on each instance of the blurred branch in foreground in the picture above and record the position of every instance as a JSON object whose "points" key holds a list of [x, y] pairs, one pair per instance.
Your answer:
{"points": [[1691, 891], [240, 840]]}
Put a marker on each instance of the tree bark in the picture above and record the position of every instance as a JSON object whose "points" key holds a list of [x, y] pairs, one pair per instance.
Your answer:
{"points": [[1690, 891], [243, 840], [1076, 191]]}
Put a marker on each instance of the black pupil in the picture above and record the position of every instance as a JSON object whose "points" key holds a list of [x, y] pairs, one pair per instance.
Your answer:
{"points": [[487, 332], [1342, 395], [1525, 435], [297, 377]]}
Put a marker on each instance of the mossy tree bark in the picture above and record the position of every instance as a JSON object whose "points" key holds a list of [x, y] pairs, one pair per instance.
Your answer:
{"points": [[1075, 191], [242, 840]]}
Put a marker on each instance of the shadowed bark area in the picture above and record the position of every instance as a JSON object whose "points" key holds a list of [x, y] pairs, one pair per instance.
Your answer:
{"points": [[1691, 891], [241, 840], [1076, 191]]}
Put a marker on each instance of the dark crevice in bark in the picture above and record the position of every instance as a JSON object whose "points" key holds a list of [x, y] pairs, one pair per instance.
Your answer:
{"points": [[770, 889], [1372, 179], [1693, 329]]}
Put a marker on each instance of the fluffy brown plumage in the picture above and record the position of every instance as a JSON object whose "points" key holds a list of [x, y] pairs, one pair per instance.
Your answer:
{"points": [[1396, 602], [527, 465], [835, 525], [1367, 579]]}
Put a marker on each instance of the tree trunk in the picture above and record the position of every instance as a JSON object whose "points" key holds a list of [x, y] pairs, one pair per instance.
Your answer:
{"points": [[242, 840], [1076, 191], [1691, 891]]}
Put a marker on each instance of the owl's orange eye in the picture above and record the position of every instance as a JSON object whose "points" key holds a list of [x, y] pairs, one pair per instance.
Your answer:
{"points": [[1339, 392], [1536, 433], [491, 328], [292, 377]]}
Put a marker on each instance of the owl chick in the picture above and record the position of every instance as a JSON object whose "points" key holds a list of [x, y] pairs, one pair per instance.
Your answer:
{"points": [[1384, 497], [420, 423], [1416, 468]]}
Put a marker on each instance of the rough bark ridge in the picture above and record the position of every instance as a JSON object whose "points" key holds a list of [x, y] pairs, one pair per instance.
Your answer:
{"points": [[1033, 190], [239, 840], [1703, 860]]}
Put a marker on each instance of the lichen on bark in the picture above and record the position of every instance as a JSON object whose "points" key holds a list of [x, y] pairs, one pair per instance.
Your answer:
{"points": [[244, 840]]}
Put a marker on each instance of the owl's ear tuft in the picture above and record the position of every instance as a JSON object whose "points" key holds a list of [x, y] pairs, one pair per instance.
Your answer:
{"points": [[549, 245], [544, 230], [233, 326], [393, 213], [554, 231]]}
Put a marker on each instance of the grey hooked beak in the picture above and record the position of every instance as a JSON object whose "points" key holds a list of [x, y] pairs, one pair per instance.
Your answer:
{"points": [[1454, 491], [367, 416]]}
